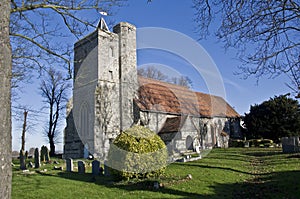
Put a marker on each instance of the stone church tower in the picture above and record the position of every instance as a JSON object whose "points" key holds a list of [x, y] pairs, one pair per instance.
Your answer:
{"points": [[105, 84], [109, 97]]}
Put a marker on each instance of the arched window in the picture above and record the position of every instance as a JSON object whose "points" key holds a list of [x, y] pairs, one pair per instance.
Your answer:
{"points": [[189, 143], [111, 52], [84, 120]]}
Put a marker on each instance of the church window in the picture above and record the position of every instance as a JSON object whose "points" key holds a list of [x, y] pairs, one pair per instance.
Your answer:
{"points": [[189, 143], [111, 52], [111, 75], [84, 120]]}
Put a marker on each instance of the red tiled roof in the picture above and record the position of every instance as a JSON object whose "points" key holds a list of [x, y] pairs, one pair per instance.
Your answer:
{"points": [[160, 96]]}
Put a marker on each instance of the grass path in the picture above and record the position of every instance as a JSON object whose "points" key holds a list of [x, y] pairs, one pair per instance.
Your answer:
{"points": [[231, 173], [274, 175]]}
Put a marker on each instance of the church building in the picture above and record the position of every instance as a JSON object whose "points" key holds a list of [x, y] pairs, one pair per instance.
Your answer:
{"points": [[109, 97]]}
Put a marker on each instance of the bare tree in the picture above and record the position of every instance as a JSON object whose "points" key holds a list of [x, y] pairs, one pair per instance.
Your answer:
{"points": [[266, 33], [53, 90], [154, 73], [24, 130], [41, 24], [181, 81], [151, 72]]}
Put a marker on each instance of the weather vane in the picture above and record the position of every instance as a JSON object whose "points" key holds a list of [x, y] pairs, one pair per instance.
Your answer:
{"points": [[102, 24]]}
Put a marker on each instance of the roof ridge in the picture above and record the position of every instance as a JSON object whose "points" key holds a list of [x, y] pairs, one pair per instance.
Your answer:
{"points": [[179, 86]]}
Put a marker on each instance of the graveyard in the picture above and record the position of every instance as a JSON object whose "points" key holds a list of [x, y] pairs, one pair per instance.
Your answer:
{"points": [[223, 173]]}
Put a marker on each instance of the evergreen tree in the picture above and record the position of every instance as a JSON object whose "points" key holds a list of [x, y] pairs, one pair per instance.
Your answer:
{"points": [[273, 119]]}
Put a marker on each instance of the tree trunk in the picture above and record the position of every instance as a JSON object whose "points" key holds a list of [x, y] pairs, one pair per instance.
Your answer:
{"points": [[52, 147], [24, 130], [5, 101]]}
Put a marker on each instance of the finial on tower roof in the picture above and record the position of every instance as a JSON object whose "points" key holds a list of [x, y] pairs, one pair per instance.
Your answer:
{"points": [[102, 24]]}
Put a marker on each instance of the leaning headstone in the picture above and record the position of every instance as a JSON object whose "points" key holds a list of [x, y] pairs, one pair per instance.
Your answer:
{"points": [[69, 164], [45, 154], [22, 160], [95, 167], [81, 167], [37, 160]]}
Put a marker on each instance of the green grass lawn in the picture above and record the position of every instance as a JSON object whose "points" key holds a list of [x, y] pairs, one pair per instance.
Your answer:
{"points": [[224, 173]]}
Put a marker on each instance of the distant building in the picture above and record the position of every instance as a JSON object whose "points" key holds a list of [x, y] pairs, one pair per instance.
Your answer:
{"points": [[109, 97]]}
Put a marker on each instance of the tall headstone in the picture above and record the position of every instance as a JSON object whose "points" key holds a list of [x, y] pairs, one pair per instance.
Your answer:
{"points": [[290, 144], [69, 164], [45, 154], [37, 160], [81, 167], [22, 160], [95, 167]]}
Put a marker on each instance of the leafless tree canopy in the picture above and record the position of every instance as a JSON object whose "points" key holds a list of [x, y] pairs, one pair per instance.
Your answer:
{"points": [[40, 31], [53, 90], [265, 32], [154, 73]]}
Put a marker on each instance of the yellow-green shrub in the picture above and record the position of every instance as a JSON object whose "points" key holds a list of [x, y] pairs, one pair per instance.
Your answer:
{"points": [[137, 152]]}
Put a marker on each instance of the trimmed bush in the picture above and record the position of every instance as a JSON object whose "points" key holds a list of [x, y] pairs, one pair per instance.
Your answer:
{"points": [[261, 143], [137, 152], [236, 143]]}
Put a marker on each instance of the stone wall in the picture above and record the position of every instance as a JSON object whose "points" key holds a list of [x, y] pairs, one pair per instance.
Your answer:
{"points": [[73, 146], [207, 131], [85, 81], [128, 72]]}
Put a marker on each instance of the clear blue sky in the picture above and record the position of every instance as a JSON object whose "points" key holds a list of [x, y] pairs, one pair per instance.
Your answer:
{"points": [[176, 15]]}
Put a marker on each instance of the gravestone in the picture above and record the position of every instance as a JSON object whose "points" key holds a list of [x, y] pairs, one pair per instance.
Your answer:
{"points": [[81, 167], [69, 164], [95, 167], [26, 155], [22, 160], [37, 160], [290, 144], [106, 169], [45, 154]]}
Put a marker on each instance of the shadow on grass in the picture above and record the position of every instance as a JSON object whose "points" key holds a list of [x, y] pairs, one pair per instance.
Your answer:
{"points": [[275, 185], [262, 153], [217, 167], [145, 185]]}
